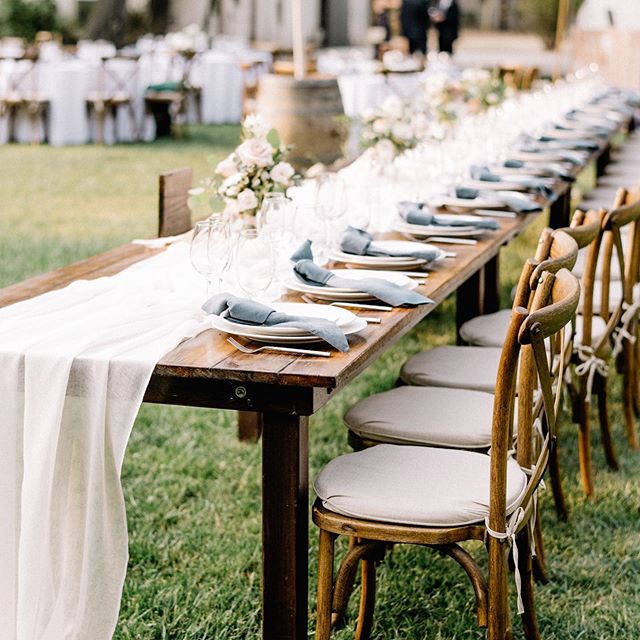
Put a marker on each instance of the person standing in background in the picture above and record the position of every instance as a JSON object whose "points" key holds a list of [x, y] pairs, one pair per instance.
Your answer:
{"points": [[445, 15], [414, 17]]}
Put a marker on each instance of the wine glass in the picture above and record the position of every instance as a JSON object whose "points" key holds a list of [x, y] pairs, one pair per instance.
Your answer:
{"points": [[276, 220], [210, 251], [254, 262]]}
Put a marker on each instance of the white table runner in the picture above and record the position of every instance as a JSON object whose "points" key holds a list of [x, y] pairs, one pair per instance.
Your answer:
{"points": [[75, 364]]}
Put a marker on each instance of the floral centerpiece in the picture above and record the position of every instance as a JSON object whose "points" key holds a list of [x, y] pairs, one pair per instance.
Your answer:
{"points": [[394, 127], [243, 178]]}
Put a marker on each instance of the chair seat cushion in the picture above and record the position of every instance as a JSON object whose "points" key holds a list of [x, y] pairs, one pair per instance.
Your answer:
{"points": [[598, 329], [417, 486], [581, 263], [474, 368], [431, 416], [488, 330], [615, 296]]}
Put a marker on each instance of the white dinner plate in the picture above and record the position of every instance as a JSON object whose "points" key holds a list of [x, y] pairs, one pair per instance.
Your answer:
{"points": [[387, 262], [342, 294], [530, 156], [502, 185], [465, 204], [342, 317], [428, 231], [245, 331]]}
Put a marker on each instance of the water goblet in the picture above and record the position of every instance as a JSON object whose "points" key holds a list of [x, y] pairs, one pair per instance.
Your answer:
{"points": [[254, 262], [210, 251]]}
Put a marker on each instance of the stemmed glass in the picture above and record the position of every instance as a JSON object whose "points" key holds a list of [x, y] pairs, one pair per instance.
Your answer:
{"points": [[276, 220], [331, 203], [254, 262], [211, 251]]}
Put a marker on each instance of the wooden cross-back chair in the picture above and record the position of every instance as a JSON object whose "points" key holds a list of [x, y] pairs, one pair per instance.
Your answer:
{"points": [[24, 96], [174, 212], [398, 494], [114, 91], [613, 301]]}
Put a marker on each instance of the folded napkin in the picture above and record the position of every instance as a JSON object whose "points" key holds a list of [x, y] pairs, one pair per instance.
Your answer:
{"points": [[309, 272], [484, 174], [415, 213], [514, 201], [360, 243], [249, 312], [600, 131], [554, 168], [571, 143]]}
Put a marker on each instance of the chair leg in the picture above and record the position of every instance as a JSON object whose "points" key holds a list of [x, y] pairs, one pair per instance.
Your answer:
{"points": [[539, 561], [346, 577], [325, 585], [584, 446], [529, 620], [629, 413], [367, 599], [605, 424], [556, 484], [499, 625]]}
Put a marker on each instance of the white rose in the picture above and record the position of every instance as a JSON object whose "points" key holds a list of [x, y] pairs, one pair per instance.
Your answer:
{"points": [[402, 131], [393, 107], [247, 200], [368, 114], [381, 127], [226, 167], [255, 151], [256, 125], [385, 150], [282, 173]]}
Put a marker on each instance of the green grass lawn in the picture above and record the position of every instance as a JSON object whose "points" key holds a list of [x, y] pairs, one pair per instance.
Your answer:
{"points": [[193, 492]]}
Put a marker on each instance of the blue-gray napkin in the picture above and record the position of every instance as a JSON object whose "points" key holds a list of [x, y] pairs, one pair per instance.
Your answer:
{"points": [[415, 213], [359, 243], [515, 202], [554, 168], [600, 131], [309, 272], [568, 155], [484, 174], [249, 312], [571, 143]]}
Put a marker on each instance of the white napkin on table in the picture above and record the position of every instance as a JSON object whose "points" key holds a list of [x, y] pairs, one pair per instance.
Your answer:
{"points": [[75, 364]]}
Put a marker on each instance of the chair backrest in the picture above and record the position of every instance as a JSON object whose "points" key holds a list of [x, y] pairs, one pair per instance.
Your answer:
{"points": [[175, 215], [625, 213], [553, 307]]}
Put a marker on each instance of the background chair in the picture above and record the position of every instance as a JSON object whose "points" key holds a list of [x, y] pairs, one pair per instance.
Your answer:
{"points": [[174, 212]]}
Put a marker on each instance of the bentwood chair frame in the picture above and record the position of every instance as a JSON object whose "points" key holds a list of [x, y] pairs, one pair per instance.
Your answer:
{"points": [[553, 307], [593, 357]]}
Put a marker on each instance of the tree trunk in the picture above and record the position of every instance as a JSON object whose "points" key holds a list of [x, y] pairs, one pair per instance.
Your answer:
{"points": [[108, 21]]}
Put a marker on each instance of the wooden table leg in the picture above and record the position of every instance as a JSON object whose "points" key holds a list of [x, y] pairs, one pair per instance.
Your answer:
{"points": [[249, 426], [491, 286], [602, 161], [285, 521], [560, 211], [468, 301]]}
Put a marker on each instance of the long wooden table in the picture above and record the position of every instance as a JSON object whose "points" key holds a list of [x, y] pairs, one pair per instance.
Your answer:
{"points": [[206, 371]]}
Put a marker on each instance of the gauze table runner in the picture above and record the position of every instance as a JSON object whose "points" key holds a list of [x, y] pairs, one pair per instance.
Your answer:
{"points": [[74, 366]]}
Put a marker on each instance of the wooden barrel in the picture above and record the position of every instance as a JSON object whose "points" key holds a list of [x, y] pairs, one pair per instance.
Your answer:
{"points": [[306, 114]]}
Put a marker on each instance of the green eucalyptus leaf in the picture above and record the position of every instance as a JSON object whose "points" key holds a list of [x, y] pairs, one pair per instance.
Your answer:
{"points": [[273, 138]]}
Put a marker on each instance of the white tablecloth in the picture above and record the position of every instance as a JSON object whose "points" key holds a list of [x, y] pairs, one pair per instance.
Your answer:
{"points": [[75, 364], [67, 83], [362, 91]]}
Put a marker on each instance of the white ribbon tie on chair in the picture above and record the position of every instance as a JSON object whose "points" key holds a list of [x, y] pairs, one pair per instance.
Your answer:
{"points": [[510, 537], [590, 364], [622, 333]]}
